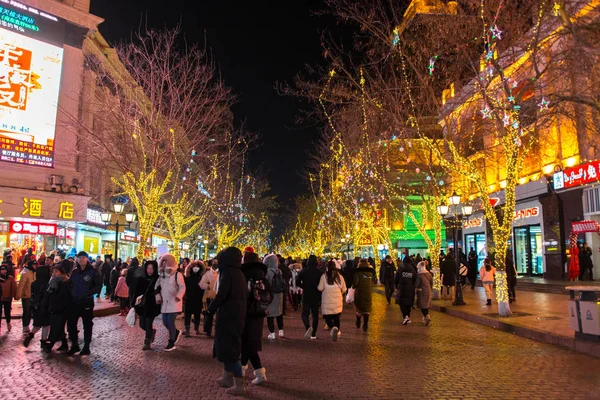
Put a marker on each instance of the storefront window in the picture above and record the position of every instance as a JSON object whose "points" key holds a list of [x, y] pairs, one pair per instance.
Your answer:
{"points": [[528, 250], [477, 242]]}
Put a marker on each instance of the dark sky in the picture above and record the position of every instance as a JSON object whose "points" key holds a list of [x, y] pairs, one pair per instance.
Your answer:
{"points": [[255, 44]]}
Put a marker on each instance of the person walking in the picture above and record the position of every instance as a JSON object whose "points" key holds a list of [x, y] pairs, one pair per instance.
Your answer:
{"points": [[26, 278], [424, 290], [585, 262], [348, 272], [404, 280], [8, 291], [208, 284], [171, 286], [308, 280], [295, 290], [332, 286], [193, 296], [40, 318], [56, 303], [284, 266], [255, 274], [106, 269], [115, 274], [486, 275], [386, 275], [277, 283], [134, 272], [448, 276], [363, 295], [85, 283], [230, 305], [472, 266], [122, 293], [145, 303]]}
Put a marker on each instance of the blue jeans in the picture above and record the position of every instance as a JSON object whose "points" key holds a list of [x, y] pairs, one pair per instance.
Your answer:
{"points": [[234, 367], [169, 323]]}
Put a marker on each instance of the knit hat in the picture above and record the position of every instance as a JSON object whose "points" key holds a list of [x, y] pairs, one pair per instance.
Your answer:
{"points": [[249, 249], [83, 254]]}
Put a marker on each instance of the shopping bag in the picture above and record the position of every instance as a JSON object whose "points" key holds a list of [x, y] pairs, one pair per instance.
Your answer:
{"points": [[130, 319], [350, 296]]}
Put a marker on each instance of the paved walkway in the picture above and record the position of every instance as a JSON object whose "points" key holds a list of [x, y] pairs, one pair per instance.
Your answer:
{"points": [[391, 361]]}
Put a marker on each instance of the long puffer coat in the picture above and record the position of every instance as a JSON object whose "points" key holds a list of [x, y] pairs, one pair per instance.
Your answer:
{"points": [[424, 288], [332, 299], [405, 285], [363, 284], [230, 305], [253, 326], [276, 307]]}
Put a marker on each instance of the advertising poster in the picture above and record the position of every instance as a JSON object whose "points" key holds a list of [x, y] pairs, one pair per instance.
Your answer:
{"points": [[30, 73]]}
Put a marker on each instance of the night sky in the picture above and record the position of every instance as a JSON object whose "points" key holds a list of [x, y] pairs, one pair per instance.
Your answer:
{"points": [[255, 44]]}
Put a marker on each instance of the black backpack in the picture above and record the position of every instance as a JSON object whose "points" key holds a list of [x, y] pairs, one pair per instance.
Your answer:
{"points": [[259, 298], [277, 283]]}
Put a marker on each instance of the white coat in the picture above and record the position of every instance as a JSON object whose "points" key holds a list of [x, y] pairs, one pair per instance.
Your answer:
{"points": [[171, 287], [332, 300]]}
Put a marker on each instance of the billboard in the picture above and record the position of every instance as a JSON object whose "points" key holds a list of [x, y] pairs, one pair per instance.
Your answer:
{"points": [[30, 72]]}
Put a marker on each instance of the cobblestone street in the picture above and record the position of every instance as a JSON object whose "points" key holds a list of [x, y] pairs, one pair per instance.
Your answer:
{"points": [[391, 361]]}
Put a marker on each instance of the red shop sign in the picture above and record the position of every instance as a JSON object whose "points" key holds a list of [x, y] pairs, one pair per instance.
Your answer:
{"points": [[527, 213], [34, 228], [575, 176], [585, 226]]}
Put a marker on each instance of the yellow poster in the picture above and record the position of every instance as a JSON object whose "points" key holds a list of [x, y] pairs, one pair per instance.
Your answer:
{"points": [[91, 245]]}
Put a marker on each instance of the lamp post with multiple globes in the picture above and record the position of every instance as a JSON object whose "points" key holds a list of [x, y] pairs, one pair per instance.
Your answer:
{"points": [[106, 216]]}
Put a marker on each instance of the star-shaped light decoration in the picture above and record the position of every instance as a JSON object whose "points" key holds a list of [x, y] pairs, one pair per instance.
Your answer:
{"points": [[193, 153], [496, 33], [486, 112], [506, 120], [489, 55], [515, 124], [431, 66], [511, 99], [543, 104]]}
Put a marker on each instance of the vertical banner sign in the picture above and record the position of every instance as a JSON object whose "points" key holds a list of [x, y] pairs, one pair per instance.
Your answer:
{"points": [[31, 57]]}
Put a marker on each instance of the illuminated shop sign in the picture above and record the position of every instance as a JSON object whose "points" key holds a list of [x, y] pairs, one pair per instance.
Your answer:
{"points": [[32, 228], [527, 213], [94, 217], [576, 176], [30, 73], [473, 223]]}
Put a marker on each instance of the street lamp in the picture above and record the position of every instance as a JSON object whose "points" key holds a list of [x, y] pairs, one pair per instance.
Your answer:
{"points": [[106, 216], [205, 249], [466, 210]]}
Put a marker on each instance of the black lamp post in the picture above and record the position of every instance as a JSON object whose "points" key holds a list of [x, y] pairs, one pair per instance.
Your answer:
{"points": [[106, 216], [467, 210]]}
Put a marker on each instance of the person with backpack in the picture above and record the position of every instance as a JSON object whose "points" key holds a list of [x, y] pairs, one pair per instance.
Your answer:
{"points": [[260, 298], [333, 286], [230, 306], [171, 286], [275, 310], [308, 280]]}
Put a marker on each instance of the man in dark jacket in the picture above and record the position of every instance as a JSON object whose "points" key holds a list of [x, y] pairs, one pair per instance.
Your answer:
{"points": [[405, 295], [55, 303], [308, 279], [85, 283], [472, 265], [134, 272], [107, 266], [585, 262], [230, 305], [287, 274], [386, 275]]}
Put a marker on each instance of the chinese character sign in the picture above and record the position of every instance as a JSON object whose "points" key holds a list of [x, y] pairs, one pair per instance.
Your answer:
{"points": [[32, 207], [585, 226], [66, 210], [30, 73], [579, 175]]}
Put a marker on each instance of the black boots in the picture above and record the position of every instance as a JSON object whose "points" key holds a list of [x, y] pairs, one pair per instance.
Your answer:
{"points": [[357, 322], [86, 350], [366, 323], [146, 345], [74, 349], [489, 302]]}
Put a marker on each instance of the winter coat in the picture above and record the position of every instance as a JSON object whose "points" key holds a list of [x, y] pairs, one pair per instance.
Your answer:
{"points": [[171, 287], [348, 272], [85, 284], [487, 276], [230, 305], [106, 269], [585, 259], [253, 326], [38, 289], [308, 279], [26, 278], [363, 284], [511, 272], [387, 272], [134, 272], [405, 285], [122, 290], [145, 286], [58, 296], [448, 270], [275, 309], [193, 292], [332, 299], [286, 272], [294, 288], [9, 288], [208, 278], [424, 288], [115, 274]]}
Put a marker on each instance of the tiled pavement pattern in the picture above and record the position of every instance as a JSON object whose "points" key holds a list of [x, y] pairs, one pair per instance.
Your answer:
{"points": [[451, 359]]}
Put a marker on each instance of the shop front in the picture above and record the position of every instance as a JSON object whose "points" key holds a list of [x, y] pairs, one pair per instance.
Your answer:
{"points": [[43, 221], [474, 231], [527, 240], [591, 209]]}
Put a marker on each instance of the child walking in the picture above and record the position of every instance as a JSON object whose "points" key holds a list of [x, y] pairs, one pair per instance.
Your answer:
{"points": [[122, 293]]}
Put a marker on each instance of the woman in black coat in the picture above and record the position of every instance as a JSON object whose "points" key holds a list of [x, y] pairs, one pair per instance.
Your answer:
{"points": [[193, 296], [405, 290], [230, 307], [253, 328], [147, 310]]}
